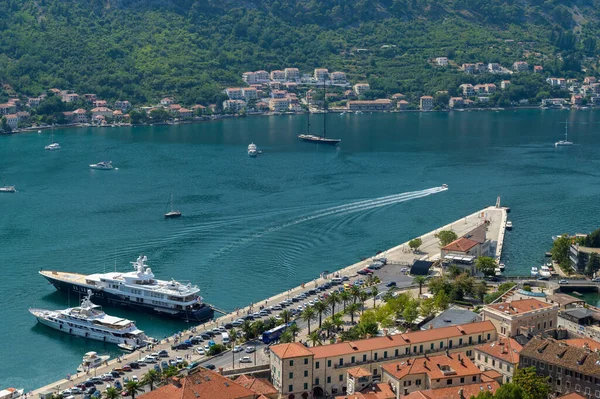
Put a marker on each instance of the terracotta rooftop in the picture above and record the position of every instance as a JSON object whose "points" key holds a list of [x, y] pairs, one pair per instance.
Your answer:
{"points": [[436, 367], [560, 353], [506, 349], [391, 341], [374, 391], [294, 349], [572, 395], [583, 343], [461, 245], [454, 392], [490, 375], [520, 306], [259, 385], [359, 372], [202, 384]]}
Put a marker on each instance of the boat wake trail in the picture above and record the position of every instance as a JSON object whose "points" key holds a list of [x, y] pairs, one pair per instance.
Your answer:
{"points": [[353, 207]]}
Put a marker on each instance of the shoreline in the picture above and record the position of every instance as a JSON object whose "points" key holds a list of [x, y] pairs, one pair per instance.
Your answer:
{"points": [[332, 111]]}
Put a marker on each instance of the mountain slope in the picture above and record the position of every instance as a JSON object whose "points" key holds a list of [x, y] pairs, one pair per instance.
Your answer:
{"points": [[141, 50]]}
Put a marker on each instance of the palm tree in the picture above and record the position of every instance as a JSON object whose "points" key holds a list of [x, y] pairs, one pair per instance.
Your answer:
{"points": [[151, 377], [332, 300], [286, 315], [374, 292], [247, 329], [169, 372], [271, 322], [307, 315], [352, 309], [133, 387], [294, 330], [111, 393], [355, 293], [258, 327], [327, 326], [314, 338], [363, 297], [345, 297], [233, 335], [420, 280], [337, 321], [286, 337], [321, 307]]}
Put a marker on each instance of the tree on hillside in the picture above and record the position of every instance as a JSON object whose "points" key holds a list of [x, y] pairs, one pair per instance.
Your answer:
{"points": [[446, 237], [593, 264], [160, 115], [486, 265], [534, 386], [415, 243]]}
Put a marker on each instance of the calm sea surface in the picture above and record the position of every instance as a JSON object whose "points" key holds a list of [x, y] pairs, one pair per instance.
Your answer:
{"points": [[254, 227]]}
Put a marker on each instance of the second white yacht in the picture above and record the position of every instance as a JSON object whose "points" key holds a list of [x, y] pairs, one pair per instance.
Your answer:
{"points": [[91, 360], [89, 321], [252, 151], [104, 165]]}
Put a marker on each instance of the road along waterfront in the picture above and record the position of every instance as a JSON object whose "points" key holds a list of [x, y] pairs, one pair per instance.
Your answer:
{"points": [[398, 257]]}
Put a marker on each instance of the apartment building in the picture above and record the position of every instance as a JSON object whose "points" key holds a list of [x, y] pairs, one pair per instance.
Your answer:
{"points": [[321, 74], [426, 103], [234, 105], [279, 104], [361, 88], [291, 74], [249, 78], [456, 102], [382, 104], [467, 90], [521, 316], [501, 355], [278, 75], [520, 66], [338, 77], [262, 76], [442, 61], [296, 369], [572, 365], [234, 93], [250, 93], [580, 321]]}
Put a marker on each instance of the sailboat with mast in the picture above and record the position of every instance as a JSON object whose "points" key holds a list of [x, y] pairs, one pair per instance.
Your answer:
{"points": [[53, 145], [172, 213], [320, 139], [565, 142]]}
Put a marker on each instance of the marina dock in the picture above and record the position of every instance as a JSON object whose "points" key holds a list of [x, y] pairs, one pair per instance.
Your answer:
{"points": [[398, 257]]}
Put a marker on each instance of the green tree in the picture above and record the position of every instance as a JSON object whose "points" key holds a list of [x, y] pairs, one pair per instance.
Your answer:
{"points": [[367, 329], [160, 115], [415, 243], [411, 312], [152, 377], [112, 393], [481, 290], [593, 264], [337, 321], [352, 310], [332, 300], [308, 315], [420, 280], [441, 301], [286, 315], [374, 292], [169, 372], [138, 117], [286, 337], [427, 308], [4, 125], [592, 240], [248, 329], [327, 326], [445, 237], [560, 250], [294, 330], [321, 308], [132, 388], [315, 338], [344, 297], [534, 386], [216, 349], [486, 265]]}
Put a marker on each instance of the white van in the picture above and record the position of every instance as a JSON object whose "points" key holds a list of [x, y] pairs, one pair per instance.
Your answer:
{"points": [[336, 280], [225, 338]]}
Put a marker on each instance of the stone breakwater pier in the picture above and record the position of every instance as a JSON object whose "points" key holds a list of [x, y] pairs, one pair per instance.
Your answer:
{"points": [[494, 217]]}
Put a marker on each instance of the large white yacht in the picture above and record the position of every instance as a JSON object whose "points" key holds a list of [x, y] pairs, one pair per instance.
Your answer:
{"points": [[252, 151], [89, 321], [8, 189], [104, 165], [91, 360], [11, 393], [137, 289]]}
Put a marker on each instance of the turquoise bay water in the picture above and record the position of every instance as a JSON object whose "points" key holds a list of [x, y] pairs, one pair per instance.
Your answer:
{"points": [[255, 227]]}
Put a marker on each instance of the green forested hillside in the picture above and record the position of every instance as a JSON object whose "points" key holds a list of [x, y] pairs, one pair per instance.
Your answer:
{"points": [[144, 49]]}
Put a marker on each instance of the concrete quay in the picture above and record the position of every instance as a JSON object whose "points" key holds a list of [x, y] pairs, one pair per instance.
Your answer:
{"points": [[398, 257]]}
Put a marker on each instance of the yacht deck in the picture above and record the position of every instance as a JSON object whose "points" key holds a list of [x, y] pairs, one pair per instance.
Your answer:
{"points": [[64, 276]]}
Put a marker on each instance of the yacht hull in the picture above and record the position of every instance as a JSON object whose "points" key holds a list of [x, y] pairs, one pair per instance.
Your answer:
{"points": [[320, 140], [78, 332], [201, 314]]}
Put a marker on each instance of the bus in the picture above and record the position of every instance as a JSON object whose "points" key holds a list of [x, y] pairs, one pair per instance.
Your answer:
{"points": [[274, 333]]}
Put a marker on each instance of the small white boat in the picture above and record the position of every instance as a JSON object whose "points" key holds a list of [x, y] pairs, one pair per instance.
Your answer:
{"points": [[534, 271], [565, 142], [11, 393], [104, 165], [444, 186], [91, 360], [497, 271], [52, 146], [172, 213], [545, 271], [8, 189], [39, 131], [501, 267], [509, 225], [252, 151]]}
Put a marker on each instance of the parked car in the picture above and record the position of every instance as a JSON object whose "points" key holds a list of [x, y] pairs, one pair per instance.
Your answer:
{"points": [[209, 366], [181, 345], [173, 362], [134, 365], [245, 359], [365, 272], [163, 353], [200, 351], [193, 365], [127, 367], [250, 349], [238, 348], [391, 284], [228, 326], [164, 364], [179, 360], [197, 340], [237, 323], [134, 378], [596, 280], [563, 282], [345, 278]]}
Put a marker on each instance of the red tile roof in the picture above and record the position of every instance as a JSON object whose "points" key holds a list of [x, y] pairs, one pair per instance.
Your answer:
{"points": [[572, 395], [520, 306], [454, 392], [505, 349], [583, 342], [390, 341], [434, 367], [359, 372], [460, 245], [259, 385]]}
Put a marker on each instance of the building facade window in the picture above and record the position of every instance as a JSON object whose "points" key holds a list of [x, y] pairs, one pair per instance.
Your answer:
{"points": [[306, 373], [317, 365], [316, 381], [305, 361], [291, 375], [305, 386], [291, 388], [291, 363], [328, 380]]}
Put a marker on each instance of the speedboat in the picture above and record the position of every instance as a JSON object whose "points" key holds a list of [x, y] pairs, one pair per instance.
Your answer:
{"points": [[444, 186], [545, 271], [89, 321], [11, 393], [129, 348], [252, 151], [8, 189], [91, 360], [509, 225], [104, 165], [534, 271]]}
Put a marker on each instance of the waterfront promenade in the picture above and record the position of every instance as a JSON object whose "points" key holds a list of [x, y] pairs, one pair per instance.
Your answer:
{"points": [[398, 257]]}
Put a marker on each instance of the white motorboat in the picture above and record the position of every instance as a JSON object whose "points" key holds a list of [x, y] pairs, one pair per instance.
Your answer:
{"points": [[545, 271], [534, 271], [89, 321], [252, 150], [497, 271], [52, 146], [501, 267], [444, 186], [8, 189], [509, 225], [91, 360], [104, 165], [565, 142], [11, 393]]}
